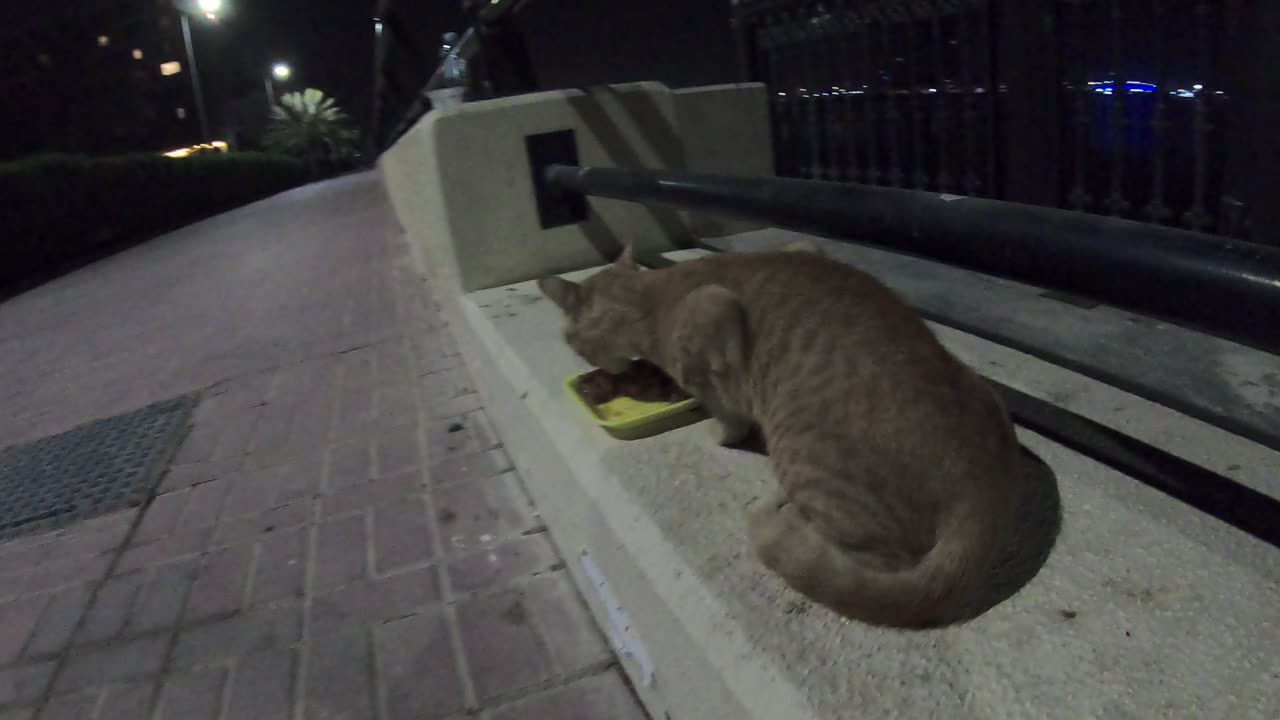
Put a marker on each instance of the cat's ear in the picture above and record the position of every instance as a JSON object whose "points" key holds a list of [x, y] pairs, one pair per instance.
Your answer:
{"points": [[566, 294], [804, 246], [627, 260]]}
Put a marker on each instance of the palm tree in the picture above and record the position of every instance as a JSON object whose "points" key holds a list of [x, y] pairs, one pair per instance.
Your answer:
{"points": [[310, 126]]}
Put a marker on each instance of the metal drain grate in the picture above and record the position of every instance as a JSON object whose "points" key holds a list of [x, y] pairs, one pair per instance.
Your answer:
{"points": [[90, 470]]}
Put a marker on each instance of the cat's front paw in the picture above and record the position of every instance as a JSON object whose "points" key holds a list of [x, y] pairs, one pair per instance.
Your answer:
{"points": [[730, 433]]}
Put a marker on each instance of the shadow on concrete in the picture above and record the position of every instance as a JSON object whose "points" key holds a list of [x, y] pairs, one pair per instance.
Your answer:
{"points": [[1039, 523], [659, 136]]}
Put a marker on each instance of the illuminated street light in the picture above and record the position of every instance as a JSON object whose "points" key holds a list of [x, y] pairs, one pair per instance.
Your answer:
{"points": [[281, 71], [209, 7]]}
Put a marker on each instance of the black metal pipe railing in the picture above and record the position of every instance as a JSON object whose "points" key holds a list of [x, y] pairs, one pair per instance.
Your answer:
{"points": [[1214, 284]]}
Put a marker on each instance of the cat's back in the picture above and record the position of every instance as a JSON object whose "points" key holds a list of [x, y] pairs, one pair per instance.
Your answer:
{"points": [[807, 294]]}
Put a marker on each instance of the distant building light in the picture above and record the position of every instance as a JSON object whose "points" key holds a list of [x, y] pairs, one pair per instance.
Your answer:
{"points": [[181, 113], [1197, 86], [137, 54], [103, 41], [173, 67], [43, 58]]}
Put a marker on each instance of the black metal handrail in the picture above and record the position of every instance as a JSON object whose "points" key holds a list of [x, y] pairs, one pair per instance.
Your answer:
{"points": [[465, 49], [394, 102], [1218, 285]]}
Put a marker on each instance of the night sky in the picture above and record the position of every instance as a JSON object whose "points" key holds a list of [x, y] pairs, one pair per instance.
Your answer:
{"points": [[329, 44]]}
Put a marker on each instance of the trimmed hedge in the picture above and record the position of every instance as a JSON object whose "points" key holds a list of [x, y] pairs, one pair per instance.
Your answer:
{"points": [[55, 209]]}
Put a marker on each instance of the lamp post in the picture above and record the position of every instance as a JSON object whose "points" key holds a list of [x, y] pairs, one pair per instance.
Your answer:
{"points": [[279, 71], [210, 8]]}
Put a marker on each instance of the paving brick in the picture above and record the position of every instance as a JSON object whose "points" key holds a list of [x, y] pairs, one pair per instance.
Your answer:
{"points": [[21, 558], [92, 537], [204, 504], [502, 564], [13, 584], [126, 702], [274, 426], [439, 388], [504, 652], [374, 600], [23, 683], [454, 406], [18, 619], [280, 569], [220, 587], [160, 603], [251, 527], [178, 545], [185, 476], [375, 492], [469, 468], [418, 672], [481, 513], [339, 682], [313, 420], [300, 478], [235, 431], [161, 517], [77, 706], [201, 443], [398, 450], [356, 404], [58, 621], [252, 631], [349, 464], [262, 686], [593, 698], [193, 695], [358, 367], [111, 607], [59, 573], [452, 437], [341, 550], [397, 404], [117, 662], [252, 492], [569, 632], [401, 535]]}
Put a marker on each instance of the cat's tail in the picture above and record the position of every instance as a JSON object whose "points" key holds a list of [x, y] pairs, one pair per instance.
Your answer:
{"points": [[939, 589]]}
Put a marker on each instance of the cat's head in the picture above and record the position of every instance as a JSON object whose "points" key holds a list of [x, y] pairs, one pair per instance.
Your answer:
{"points": [[602, 318]]}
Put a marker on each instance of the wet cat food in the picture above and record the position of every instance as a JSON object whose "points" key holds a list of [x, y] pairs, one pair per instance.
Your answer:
{"points": [[643, 381]]}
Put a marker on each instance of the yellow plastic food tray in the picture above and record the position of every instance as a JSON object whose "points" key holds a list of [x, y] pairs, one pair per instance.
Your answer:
{"points": [[630, 419]]}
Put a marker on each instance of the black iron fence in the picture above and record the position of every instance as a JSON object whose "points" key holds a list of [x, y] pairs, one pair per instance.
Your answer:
{"points": [[1153, 110]]}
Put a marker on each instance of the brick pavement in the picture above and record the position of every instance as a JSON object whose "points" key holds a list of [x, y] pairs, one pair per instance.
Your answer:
{"points": [[341, 535]]}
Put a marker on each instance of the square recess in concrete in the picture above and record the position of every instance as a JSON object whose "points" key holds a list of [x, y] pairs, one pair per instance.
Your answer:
{"points": [[90, 470]]}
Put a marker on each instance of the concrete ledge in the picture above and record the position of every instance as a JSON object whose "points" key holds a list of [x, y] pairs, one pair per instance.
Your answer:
{"points": [[462, 187], [1145, 607]]}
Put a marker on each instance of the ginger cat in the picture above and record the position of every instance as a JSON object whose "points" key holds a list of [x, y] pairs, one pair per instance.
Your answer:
{"points": [[897, 465]]}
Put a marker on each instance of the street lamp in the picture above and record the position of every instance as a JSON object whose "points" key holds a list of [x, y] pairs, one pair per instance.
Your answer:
{"points": [[281, 72], [210, 8]]}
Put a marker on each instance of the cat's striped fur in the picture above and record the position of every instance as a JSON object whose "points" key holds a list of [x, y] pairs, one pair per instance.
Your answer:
{"points": [[897, 465]]}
